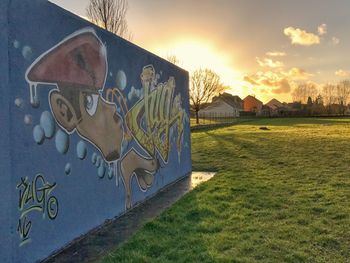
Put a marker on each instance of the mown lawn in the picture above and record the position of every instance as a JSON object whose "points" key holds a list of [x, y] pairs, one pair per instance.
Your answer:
{"points": [[209, 121], [281, 195]]}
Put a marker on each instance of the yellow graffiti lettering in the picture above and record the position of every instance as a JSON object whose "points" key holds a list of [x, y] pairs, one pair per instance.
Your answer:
{"points": [[159, 111]]}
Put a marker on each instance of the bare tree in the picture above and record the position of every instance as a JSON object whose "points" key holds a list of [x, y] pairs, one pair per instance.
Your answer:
{"points": [[111, 15], [343, 92], [329, 96], [205, 84], [299, 94], [303, 91], [173, 59]]}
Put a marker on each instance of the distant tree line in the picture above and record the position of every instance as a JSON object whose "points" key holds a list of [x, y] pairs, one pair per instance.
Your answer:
{"points": [[329, 99]]}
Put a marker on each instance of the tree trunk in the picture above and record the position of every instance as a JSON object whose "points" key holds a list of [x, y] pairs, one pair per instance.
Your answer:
{"points": [[197, 117]]}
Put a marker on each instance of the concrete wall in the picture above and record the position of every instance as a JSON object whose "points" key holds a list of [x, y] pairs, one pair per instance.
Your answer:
{"points": [[91, 125], [5, 174]]}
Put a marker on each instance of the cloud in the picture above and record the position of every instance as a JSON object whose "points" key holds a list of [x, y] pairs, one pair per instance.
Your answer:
{"points": [[301, 37], [266, 62], [277, 80], [335, 41], [322, 29], [250, 80], [298, 74], [269, 80], [342, 73], [283, 86], [276, 54]]}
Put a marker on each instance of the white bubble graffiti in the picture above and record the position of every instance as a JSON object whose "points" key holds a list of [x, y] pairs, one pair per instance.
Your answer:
{"points": [[27, 52], [62, 141], [121, 80], [47, 122]]}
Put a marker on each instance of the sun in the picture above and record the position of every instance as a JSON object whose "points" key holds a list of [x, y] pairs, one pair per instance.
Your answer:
{"points": [[195, 54]]}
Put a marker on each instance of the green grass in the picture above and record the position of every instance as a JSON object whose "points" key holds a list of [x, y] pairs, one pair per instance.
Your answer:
{"points": [[281, 195], [213, 121], [209, 121]]}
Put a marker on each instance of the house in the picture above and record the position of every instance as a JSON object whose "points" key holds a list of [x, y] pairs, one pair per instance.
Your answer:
{"points": [[274, 108], [265, 111], [224, 105], [275, 104], [252, 104]]}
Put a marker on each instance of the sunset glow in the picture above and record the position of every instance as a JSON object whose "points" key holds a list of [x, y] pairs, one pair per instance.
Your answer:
{"points": [[194, 54], [258, 56]]}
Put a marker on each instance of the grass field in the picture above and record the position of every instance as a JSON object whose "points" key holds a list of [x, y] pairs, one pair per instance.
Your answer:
{"points": [[280, 195], [213, 121]]}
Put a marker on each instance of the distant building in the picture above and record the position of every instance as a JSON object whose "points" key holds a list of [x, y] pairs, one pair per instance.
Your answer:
{"points": [[295, 105], [275, 104], [224, 105], [265, 111], [274, 108], [252, 104]]}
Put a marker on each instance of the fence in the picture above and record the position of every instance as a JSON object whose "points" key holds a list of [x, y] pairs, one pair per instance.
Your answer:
{"points": [[213, 118]]}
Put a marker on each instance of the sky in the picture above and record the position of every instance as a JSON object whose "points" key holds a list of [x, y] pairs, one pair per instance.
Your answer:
{"points": [[263, 48]]}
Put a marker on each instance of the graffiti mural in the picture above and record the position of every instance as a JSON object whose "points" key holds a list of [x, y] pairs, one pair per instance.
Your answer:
{"points": [[77, 68], [92, 126], [34, 196], [159, 111]]}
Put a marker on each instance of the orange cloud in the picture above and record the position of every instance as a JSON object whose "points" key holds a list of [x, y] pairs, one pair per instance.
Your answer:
{"points": [[322, 29], [335, 41], [277, 81], [282, 86], [266, 62], [298, 74], [342, 73], [276, 54], [301, 37], [250, 80], [273, 81]]}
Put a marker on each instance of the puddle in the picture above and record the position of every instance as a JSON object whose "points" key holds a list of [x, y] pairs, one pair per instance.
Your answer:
{"points": [[200, 177]]}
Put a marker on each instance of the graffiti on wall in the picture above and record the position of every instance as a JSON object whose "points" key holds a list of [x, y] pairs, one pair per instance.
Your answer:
{"points": [[160, 111], [34, 196], [76, 69]]}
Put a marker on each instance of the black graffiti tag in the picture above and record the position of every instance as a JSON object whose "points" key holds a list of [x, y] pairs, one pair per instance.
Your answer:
{"points": [[34, 196]]}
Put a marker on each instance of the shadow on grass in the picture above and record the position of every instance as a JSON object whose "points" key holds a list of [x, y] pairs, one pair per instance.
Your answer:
{"points": [[209, 127], [278, 197], [157, 242]]}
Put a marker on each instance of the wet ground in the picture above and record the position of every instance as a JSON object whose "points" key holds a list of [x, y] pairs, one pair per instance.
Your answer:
{"points": [[103, 240]]}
